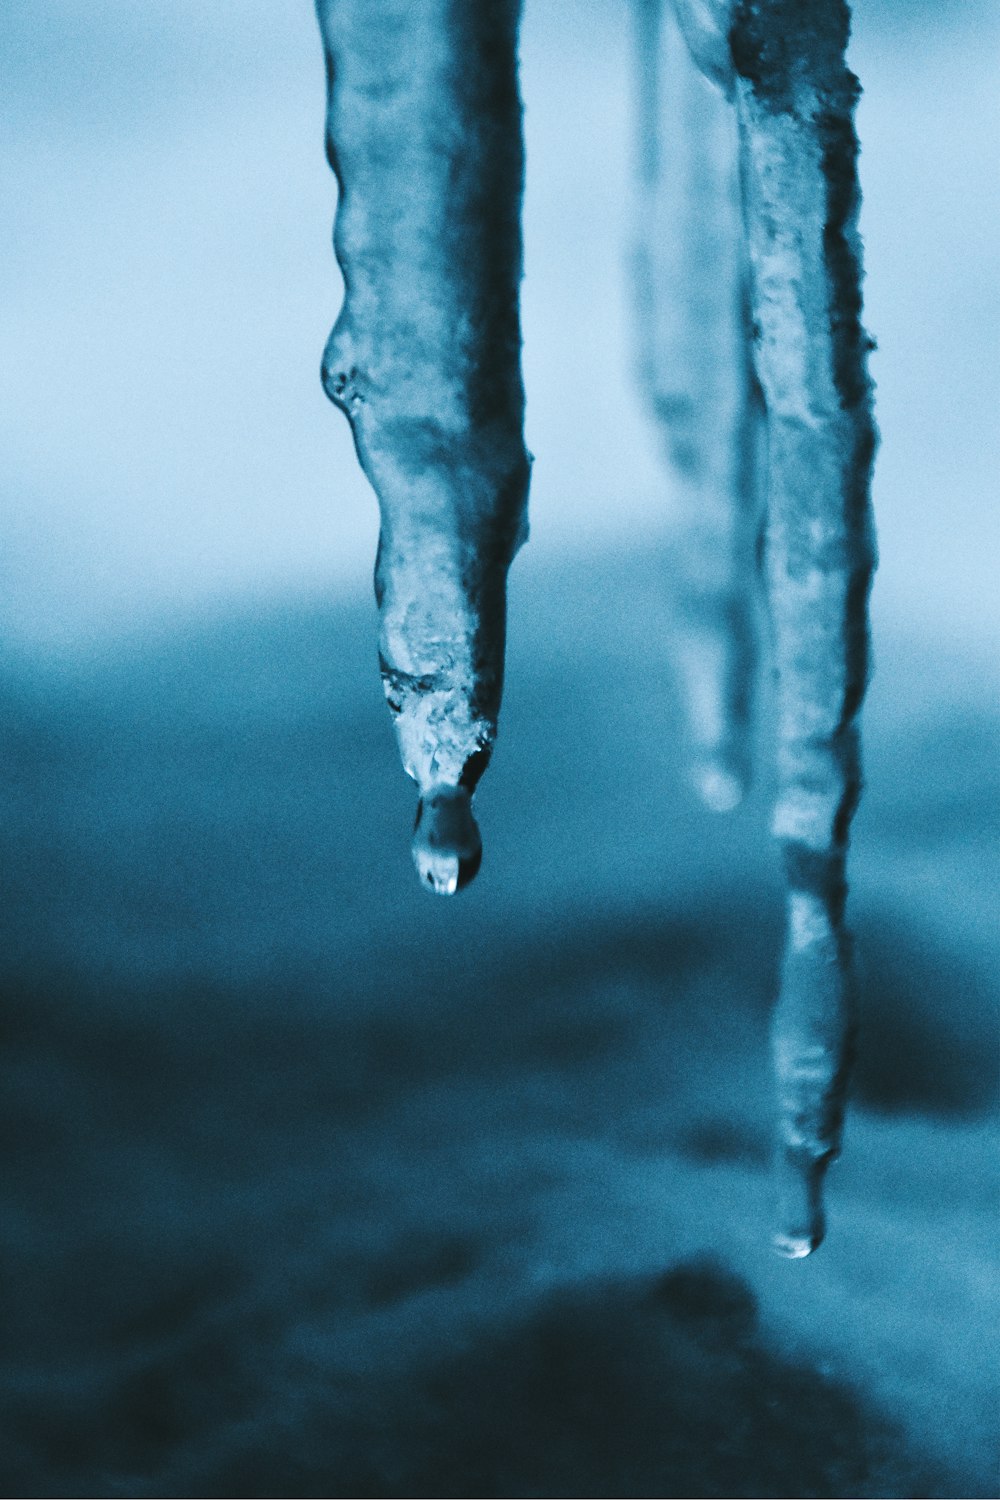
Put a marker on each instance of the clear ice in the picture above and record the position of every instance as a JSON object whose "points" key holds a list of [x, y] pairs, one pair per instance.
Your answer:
{"points": [[424, 136], [754, 361], [774, 113], [795, 101]]}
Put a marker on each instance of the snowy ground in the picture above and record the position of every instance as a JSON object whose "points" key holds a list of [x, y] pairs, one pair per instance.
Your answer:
{"points": [[315, 1185]]}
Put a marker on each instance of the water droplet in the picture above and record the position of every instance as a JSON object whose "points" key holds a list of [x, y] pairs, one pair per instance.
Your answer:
{"points": [[447, 848], [801, 1221], [719, 787], [795, 1247]]}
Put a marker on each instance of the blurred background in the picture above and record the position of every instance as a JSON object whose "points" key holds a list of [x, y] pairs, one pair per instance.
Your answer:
{"points": [[314, 1186]]}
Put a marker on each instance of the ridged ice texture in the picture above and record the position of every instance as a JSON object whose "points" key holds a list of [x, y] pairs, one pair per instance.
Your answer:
{"points": [[795, 102], [791, 147], [695, 368], [424, 135]]}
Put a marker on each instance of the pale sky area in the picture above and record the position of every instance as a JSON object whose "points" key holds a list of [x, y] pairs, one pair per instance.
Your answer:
{"points": [[169, 284]]}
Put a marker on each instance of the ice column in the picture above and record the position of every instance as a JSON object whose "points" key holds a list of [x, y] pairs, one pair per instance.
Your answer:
{"points": [[424, 135], [693, 319], [795, 103]]}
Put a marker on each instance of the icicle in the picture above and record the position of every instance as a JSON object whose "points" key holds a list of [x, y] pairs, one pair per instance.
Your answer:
{"points": [[795, 103], [424, 135], [691, 294]]}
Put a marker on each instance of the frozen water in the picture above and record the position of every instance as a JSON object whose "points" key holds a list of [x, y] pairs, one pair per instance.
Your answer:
{"points": [[424, 134]]}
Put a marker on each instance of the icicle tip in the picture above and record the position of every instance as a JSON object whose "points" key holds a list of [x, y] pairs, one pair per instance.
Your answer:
{"points": [[801, 1219], [447, 847], [719, 787]]}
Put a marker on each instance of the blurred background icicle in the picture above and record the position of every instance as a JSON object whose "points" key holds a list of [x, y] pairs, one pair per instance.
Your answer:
{"points": [[691, 302], [795, 102], [424, 135]]}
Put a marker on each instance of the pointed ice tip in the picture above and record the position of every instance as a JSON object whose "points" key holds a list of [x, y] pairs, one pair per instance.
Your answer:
{"points": [[800, 1205], [795, 1247], [447, 849], [719, 787]]}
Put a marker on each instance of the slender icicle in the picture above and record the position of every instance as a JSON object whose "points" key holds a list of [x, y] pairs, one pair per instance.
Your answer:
{"points": [[424, 135], [691, 295], [795, 103]]}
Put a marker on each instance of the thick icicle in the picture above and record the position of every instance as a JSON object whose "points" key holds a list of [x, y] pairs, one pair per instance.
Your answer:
{"points": [[692, 314], [795, 103], [424, 135]]}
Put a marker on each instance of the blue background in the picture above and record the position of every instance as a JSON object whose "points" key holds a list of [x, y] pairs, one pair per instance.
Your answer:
{"points": [[313, 1185]]}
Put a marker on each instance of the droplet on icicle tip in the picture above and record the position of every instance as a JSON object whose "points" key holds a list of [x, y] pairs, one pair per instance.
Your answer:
{"points": [[447, 848], [719, 786], [801, 1221]]}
